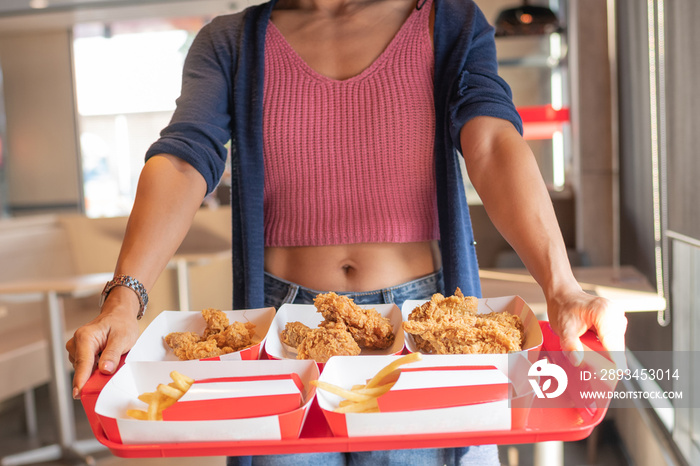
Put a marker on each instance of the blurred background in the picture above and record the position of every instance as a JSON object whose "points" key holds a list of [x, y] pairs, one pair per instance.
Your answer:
{"points": [[607, 93]]}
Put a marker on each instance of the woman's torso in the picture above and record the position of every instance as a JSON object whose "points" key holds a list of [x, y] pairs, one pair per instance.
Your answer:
{"points": [[340, 41]]}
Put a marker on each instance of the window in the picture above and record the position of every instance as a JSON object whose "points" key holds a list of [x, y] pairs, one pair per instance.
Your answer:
{"points": [[128, 77]]}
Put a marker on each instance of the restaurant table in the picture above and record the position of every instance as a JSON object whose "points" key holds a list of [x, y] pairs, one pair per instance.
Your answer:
{"points": [[53, 291]]}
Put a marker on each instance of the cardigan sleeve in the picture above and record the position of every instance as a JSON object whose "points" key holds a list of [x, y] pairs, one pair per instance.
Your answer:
{"points": [[200, 127], [480, 91]]}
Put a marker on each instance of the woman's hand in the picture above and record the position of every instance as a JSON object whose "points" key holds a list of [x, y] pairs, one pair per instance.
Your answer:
{"points": [[103, 341], [573, 313]]}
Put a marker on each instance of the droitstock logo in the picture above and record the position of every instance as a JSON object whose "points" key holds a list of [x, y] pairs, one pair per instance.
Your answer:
{"points": [[542, 372]]}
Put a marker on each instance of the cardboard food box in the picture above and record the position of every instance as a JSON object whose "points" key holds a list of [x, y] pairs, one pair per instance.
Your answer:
{"points": [[151, 345], [276, 395], [439, 394], [238, 398], [308, 315], [511, 304]]}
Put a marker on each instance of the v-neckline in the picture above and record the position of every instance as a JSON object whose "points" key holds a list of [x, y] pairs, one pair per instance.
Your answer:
{"points": [[370, 69]]}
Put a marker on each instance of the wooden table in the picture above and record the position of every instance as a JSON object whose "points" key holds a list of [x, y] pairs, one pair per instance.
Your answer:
{"points": [[53, 292]]}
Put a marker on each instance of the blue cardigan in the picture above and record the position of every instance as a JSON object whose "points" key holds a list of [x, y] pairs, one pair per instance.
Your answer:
{"points": [[221, 100]]}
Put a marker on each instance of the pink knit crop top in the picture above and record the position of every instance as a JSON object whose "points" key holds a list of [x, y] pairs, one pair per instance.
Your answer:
{"points": [[351, 161]]}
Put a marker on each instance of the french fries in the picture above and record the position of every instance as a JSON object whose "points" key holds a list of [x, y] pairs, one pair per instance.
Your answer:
{"points": [[363, 398], [164, 397]]}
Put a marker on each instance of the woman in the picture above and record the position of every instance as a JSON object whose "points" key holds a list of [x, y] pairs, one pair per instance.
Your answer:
{"points": [[346, 118]]}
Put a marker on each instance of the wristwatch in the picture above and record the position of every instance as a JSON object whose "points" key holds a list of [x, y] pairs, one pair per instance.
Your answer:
{"points": [[129, 282]]}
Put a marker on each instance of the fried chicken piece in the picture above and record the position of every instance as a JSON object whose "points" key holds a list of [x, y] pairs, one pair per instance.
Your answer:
{"points": [[367, 326], [451, 325], [219, 337], [441, 308], [180, 341], [236, 336], [330, 339], [216, 320], [492, 333], [189, 345], [294, 333], [204, 349]]}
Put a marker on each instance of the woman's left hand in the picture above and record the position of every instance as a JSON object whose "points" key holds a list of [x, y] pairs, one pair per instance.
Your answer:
{"points": [[573, 313]]}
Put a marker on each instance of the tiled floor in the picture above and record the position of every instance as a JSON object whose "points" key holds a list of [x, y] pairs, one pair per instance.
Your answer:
{"points": [[13, 439]]}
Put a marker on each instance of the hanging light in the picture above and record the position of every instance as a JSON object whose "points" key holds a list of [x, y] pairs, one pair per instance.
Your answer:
{"points": [[526, 20]]}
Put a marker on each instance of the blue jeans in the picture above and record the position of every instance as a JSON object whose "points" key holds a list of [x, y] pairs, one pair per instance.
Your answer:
{"points": [[278, 292]]}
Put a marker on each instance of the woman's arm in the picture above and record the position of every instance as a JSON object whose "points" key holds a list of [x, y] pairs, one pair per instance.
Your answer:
{"points": [[168, 195], [504, 172]]}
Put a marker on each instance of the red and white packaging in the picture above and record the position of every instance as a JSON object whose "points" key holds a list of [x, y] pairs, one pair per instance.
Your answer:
{"points": [[207, 413], [511, 304], [308, 315], [151, 345], [238, 398], [439, 394], [421, 388]]}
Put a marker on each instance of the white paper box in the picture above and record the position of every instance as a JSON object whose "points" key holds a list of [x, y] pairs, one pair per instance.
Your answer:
{"points": [[346, 371], [122, 391], [238, 398], [151, 345], [511, 304], [308, 315]]}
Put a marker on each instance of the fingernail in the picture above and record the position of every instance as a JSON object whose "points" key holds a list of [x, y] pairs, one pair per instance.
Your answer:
{"points": [[108, 366], [576, 357], [76, 393]]}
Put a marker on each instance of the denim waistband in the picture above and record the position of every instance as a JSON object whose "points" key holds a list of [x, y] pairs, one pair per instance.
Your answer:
{"points": [[279, 291]]}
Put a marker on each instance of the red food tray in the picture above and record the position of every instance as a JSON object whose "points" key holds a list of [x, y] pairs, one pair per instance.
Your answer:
{"points": [[543, 424]]}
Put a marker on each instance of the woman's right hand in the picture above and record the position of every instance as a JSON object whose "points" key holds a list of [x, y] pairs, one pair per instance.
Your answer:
{"points": [[101, 342]]}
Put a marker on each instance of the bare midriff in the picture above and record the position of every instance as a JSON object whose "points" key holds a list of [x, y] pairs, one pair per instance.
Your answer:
{"points": [[353, 267]]}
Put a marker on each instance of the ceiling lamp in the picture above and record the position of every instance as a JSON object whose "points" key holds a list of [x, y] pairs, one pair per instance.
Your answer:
{"points": [[527, 20]]}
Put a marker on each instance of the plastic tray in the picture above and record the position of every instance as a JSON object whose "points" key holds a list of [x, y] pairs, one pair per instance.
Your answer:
{"points": [[543, 424]]}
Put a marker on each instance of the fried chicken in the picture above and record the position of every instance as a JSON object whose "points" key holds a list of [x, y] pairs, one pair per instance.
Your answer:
{"points": [[216, 321], [180, 341], [330, 339], [441, 308], [219, 337], [294, 333], [199, 349], [367, 326], [236, 336], [453, 326]]}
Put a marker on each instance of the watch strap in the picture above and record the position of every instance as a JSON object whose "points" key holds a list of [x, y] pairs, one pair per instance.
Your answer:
{"points": [[133, 284]]}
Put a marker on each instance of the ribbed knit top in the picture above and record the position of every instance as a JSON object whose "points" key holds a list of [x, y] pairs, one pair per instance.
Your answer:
{"points": [[351, 161]]}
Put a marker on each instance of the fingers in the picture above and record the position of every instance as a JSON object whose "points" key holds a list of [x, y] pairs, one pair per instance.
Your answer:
{"points": [[611, 326], [112, 353], [605, 317], [83, 359], [570, 341], [575, 315]]}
